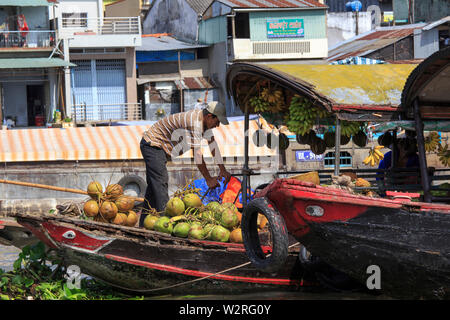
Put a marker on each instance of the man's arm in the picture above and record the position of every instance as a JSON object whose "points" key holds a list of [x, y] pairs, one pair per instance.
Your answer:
{"points": [[201, 165], [214, 148]]}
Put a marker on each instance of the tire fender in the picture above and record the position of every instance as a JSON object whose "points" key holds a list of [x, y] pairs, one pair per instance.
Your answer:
{"points": [[134, 179], [279, 236]]}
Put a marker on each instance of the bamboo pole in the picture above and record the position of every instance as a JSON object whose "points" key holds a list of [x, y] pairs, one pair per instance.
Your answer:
{"points": [[44, 186]]}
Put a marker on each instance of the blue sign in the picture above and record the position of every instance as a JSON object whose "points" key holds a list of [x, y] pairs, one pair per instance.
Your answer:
{"points": [[306, 156]]}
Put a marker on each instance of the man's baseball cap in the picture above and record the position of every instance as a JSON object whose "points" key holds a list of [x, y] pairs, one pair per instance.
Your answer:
{"points": [[219, 110]]}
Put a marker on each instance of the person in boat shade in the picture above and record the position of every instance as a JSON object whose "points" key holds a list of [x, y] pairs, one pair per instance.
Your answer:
{"points": [[172, 136], [406, 157]]}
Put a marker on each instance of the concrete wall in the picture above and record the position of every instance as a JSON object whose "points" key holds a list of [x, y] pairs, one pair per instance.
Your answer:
{"points": [[217, 72], [172, 16], [124, 8], [77, 175], [342, 26], [93, 8], [426, 42]]}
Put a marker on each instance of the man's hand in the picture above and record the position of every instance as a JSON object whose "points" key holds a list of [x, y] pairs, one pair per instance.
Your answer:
{"points": [[225, 174], [212, 183]]}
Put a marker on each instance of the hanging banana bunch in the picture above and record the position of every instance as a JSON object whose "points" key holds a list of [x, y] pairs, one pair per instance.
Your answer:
{"points": [[274, 98], [374, 157]]}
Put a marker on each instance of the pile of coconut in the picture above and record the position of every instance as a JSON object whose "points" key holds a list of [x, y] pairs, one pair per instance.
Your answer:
{"points": [[110, 206], [186, 216]]}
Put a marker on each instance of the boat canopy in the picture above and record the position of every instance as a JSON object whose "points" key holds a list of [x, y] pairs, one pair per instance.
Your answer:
{"points": [[429, 85], [353, 92]]}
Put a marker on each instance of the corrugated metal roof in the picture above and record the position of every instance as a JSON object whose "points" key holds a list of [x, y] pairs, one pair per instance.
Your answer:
{"points": [[25, 63], [199, 6], [165, 43], [273, 3], [194, 83], [27, 3], [371, 41]]}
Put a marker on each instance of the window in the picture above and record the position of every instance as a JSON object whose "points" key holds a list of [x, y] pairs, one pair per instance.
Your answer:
{"points": [[345, 159], [74, 19]]}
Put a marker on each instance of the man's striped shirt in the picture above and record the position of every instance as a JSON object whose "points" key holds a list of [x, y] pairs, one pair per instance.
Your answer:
{"points": [[180, 127]]}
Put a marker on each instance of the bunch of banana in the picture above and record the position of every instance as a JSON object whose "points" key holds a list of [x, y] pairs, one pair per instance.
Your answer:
{"points": [[274, 98], [374, 156], [444, 155], [258, 104], [271, 96], [349, 128], [303, 115], [432, 142]]}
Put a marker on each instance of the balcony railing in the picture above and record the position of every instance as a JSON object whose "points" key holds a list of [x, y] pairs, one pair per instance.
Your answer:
{"points": [[27, 39], [106, 112], [100, 26]]}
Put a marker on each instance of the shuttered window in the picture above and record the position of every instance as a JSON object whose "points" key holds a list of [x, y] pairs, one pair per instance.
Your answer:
{"points": [[101, 86]]}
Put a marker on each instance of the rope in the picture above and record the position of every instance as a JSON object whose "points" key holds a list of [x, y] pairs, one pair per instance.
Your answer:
{"points": [[194, 280]]}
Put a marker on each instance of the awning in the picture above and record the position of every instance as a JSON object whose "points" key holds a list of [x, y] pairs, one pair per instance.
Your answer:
{"points": [[27, 3], [429, 84], [355, 91], [111, 143], [379, 84], [193, 83], [26, 63]]}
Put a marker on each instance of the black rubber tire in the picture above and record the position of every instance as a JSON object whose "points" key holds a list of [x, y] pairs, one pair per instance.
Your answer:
{"points": [[134, 179], [279, 236]]}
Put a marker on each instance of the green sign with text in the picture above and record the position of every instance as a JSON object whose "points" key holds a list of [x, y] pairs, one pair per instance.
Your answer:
{"points": [[285, 28]]}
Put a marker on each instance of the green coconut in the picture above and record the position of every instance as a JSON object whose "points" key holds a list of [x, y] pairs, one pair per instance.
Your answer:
{"points": [[163, 224], [213, 206], [149, 222], [175, 207], [220, 233], [229, 205], [181, 229], [207, 230], [191, 200], [229, 218], [196, 231], [207, 215]]}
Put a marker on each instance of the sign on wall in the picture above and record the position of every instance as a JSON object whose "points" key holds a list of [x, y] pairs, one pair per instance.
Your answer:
{"points": [[306, 156], [285, 28]]}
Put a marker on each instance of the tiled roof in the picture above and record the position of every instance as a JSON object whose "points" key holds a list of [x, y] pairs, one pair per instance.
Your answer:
{"points": [[273, 3]]}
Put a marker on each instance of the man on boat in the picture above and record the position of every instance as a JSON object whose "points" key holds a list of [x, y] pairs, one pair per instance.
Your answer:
{"points": [[167, 137]]}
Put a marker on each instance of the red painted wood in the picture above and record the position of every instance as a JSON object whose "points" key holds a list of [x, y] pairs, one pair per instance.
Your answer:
{"points": [[81, 240], [195, 273]]}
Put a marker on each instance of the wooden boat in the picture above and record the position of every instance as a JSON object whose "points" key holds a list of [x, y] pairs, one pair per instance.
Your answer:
{"points": [[407, 241], [148, 261]]}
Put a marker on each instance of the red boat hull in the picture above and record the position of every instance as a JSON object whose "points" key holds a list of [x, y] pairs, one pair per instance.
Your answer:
{"points": [[147, 261], [408, 241]]}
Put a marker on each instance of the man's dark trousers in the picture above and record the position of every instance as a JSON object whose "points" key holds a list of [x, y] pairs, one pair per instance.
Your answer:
{"points": [[157, 194]]}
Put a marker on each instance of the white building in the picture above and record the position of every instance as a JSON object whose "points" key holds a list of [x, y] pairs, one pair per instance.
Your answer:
{"points": [[102, 86]]}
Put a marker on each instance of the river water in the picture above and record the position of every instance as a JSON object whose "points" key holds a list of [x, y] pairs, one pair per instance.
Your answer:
{"points": [[8, 254]]}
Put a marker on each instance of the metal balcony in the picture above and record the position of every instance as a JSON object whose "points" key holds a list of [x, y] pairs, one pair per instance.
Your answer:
{"points": [[27, 39], [100, 26], [82, 113]]}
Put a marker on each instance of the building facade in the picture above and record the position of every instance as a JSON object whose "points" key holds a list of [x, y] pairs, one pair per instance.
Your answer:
{"points": [[102, 85], [243, 31], [30, 70]]}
